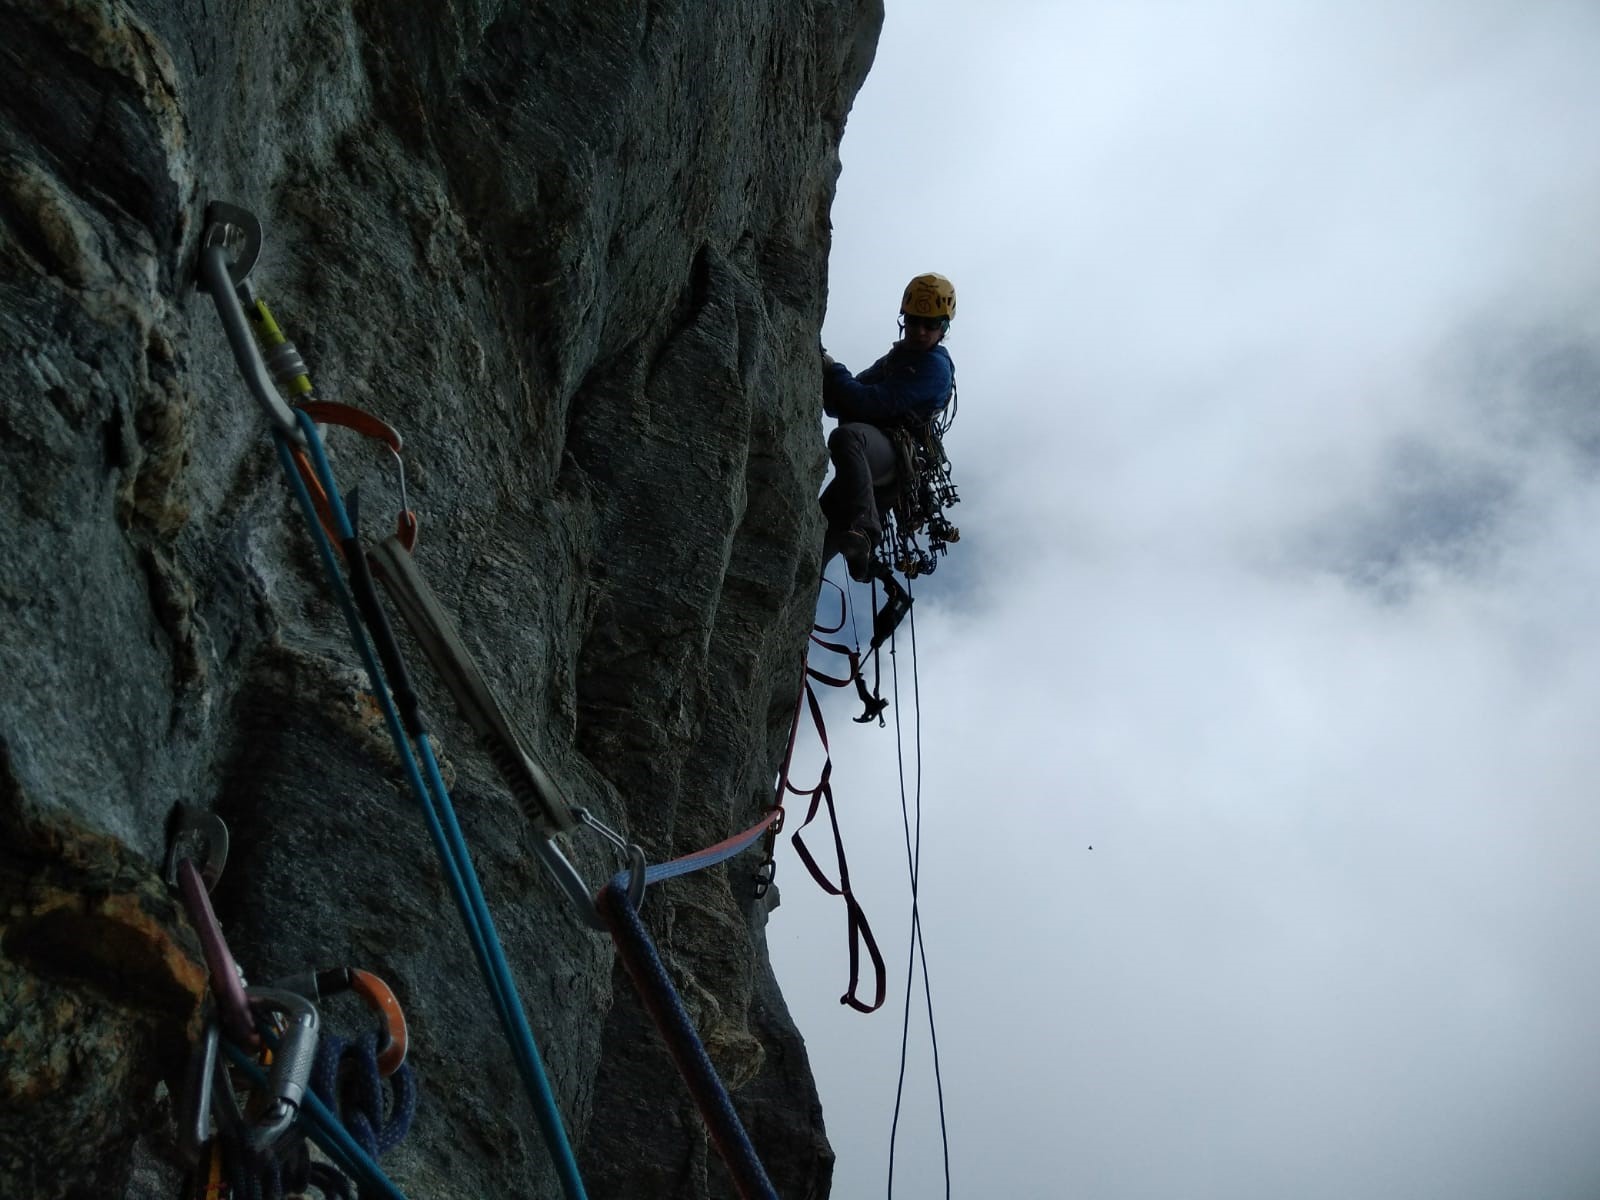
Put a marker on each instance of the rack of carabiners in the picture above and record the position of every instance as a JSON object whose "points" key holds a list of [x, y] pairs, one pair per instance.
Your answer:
{"points": [[355, 1098], [266, 359], [919, 505]]}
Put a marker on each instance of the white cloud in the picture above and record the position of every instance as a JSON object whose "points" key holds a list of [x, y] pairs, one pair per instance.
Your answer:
{"points": [[1279, 339]]}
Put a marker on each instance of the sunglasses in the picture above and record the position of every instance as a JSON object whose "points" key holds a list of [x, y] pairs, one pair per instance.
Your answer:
{"points": [[915, 322]]}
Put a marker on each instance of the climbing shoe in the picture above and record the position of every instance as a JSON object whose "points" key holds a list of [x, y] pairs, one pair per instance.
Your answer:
{"points": [[856, 547]]}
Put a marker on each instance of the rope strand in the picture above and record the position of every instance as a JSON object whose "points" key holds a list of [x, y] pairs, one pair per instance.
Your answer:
{"points": [[917, 949]]}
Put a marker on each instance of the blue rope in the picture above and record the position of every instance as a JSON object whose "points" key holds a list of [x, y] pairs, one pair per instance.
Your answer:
{"points": [[358, 1098], [439, 814], [638, 954]]}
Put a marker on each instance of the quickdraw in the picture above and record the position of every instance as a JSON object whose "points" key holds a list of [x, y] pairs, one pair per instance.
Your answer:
{"points": [[233, 230]]}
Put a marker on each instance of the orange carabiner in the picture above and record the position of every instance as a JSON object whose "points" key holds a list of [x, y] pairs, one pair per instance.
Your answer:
{"points": [[380, 999], [332, 412]]}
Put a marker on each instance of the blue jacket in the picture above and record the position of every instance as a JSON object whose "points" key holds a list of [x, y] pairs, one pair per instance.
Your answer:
{"points": [[905, 386]]}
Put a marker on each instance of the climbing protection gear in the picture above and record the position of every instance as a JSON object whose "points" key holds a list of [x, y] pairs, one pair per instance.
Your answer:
{"points": [[295, 444], [198, 836], [332, 522], [228, 253], [536, 793], [325, 1129], [439, 814], [541, 801], [923, 492], [291, 1061], [391, 1041], [264, 1155], [929, 295]]}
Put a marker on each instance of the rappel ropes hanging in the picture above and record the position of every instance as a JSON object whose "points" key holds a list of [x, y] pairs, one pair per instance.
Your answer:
{"points": [[924, 489], [859, 931], [231, 244]]}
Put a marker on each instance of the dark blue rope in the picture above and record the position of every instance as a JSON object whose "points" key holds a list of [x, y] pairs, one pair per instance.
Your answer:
{"points": [[638, 954], [345, 1077], [918, 948], [439, 815]]}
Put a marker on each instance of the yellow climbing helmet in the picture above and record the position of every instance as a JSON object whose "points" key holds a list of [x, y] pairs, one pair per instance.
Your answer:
{"points": [[929, 295]]}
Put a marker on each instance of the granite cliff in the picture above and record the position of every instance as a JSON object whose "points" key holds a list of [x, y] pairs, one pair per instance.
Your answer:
{"points": [[576, 252]]}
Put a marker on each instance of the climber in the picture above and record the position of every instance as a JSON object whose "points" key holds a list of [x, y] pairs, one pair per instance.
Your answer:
{"points": [[907, 387]]}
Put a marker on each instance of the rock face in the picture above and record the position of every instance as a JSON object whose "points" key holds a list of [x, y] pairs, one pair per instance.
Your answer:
{"points": [[576, 252]]}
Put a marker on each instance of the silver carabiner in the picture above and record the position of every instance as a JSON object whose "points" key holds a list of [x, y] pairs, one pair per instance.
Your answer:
{"points": [[570, 882], [292, 1061], [199, 836], [194, 1128], [631, 850], [229, 227]]}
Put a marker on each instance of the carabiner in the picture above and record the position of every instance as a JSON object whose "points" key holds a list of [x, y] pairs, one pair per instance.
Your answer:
{"points": [[227, 227], [568, 879], [637, 872], [765, 873], [374, 993], [227, 983], [200, 836], [194, 1121], [292, 1061], [332, 412]]}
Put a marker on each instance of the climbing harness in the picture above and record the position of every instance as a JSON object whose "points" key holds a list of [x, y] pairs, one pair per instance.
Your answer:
{"points": [[333, 522], [923, 490]]}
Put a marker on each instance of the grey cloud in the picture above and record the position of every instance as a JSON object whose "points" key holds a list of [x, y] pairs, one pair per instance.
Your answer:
{"points": [[1279, 347]]}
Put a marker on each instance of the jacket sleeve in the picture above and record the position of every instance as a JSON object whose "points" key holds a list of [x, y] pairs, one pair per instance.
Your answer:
{"points": [[889, 391]]}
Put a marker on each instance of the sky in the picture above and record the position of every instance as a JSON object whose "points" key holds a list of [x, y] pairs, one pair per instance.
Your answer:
{"points": [[1278, 346]]}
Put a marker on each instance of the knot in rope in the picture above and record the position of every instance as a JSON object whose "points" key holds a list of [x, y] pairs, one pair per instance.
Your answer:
{"points": [[346, 1079]]}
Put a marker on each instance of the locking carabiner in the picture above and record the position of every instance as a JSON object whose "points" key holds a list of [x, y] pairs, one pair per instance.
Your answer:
{"points": [[292, 1060]]}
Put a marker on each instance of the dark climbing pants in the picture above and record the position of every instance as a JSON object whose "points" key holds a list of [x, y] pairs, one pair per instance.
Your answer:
{"points": [[863, 475]]}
